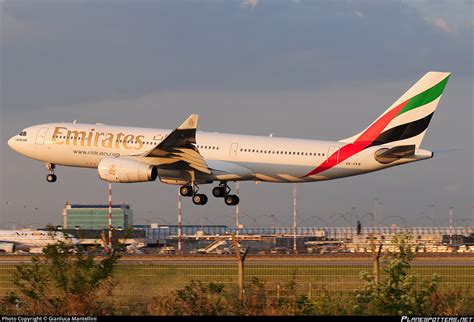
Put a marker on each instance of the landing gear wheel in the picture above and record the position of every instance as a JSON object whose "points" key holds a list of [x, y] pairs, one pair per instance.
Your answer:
{"points": [[219, 192], [186, 191], [199, 199], [51, 177], [231, 200]]}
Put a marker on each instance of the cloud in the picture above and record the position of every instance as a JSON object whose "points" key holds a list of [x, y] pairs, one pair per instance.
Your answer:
{"points": [[284, 46], [249, 3], [441, 24]]}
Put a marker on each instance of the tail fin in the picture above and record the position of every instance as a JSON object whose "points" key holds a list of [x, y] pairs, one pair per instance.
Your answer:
{"points": [[406, 121]]}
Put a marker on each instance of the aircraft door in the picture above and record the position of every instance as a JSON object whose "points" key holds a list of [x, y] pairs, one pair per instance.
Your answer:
{"points": [[41, 135], [233, 150], [333, 155]]}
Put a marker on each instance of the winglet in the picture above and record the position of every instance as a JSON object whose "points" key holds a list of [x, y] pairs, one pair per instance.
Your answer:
{"points": [[190, 123]]}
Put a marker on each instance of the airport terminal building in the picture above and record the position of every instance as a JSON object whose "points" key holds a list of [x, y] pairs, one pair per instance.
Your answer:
{"points": [[96, 217]]}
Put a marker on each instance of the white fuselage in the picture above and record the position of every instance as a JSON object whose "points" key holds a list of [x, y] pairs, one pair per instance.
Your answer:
{"points": [[231, 157], [34, 238]]}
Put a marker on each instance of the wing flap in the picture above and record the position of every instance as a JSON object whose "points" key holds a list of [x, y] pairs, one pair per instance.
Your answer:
{"points": [[179, 145]]}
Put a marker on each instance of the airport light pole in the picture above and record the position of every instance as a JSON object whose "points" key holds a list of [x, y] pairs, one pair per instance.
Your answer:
{"points": [[294, 220], [372, 215], [433, 214], [110, 216], [237, 210], [353, 214], [451, 225], [375, 212], [6, 209], [202, 222], [179, 222]]}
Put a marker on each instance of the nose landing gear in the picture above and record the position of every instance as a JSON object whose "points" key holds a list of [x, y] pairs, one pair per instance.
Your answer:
{"points": [[51, 177]]}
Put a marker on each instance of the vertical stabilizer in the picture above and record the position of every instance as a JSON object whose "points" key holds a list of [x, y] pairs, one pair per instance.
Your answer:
{"points": [[406, 121]]}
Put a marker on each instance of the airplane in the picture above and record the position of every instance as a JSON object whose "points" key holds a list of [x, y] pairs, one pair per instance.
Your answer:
{"points": [[189, 158], [26, 239]]}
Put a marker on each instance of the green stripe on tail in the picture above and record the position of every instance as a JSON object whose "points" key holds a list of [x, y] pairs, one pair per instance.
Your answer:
{"points": [[425, 97]]}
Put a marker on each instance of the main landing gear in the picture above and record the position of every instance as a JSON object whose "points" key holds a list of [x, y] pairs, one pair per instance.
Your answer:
{"points": [[51, 177], [191, 190], [222, 191]]}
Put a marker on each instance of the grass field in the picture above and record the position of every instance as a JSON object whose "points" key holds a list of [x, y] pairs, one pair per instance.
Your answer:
{"points": [[138, 283]]}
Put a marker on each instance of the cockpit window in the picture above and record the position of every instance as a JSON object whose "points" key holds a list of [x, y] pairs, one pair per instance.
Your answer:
{"points": [[22, 133]]}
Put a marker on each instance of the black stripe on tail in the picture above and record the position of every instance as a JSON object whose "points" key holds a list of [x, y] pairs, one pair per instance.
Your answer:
{"points": [[404, 131]]}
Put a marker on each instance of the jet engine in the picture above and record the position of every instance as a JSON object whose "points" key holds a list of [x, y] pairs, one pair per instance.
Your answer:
{"points": [[126, 170]]}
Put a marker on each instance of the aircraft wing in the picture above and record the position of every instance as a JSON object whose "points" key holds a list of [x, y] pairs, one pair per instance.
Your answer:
{"points": [[178, 149]]}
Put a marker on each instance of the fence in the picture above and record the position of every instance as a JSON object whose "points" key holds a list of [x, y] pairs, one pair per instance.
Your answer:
{"points": [[140, 281], [166, 232]]}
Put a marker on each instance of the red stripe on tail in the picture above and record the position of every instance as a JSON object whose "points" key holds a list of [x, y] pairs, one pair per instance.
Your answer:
{"points": [[363, 141]]}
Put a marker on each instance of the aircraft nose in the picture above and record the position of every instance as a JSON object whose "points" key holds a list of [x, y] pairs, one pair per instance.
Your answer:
{"points": [[10, 142]]}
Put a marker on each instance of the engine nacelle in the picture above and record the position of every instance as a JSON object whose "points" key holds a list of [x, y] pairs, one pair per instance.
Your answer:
{"points": [[126, 170]]}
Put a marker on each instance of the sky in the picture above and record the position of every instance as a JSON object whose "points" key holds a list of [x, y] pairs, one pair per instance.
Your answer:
{"points": [[295, 68]]}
